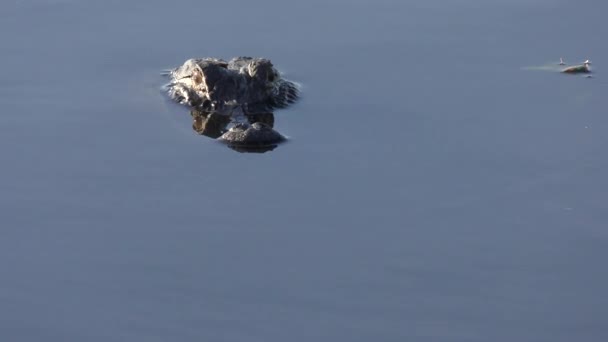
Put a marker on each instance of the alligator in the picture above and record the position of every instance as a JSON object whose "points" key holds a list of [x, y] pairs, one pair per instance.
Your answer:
{"points": [[233, 101]]}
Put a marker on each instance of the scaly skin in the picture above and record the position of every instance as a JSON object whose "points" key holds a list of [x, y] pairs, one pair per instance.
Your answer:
{"points": [[252, 84]]}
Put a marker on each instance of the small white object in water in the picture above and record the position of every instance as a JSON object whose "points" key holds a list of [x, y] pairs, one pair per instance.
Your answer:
{"points": [[561, 61], [587, 62]]}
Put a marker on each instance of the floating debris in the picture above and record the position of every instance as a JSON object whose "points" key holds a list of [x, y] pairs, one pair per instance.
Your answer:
{"points": [[579, 69]]}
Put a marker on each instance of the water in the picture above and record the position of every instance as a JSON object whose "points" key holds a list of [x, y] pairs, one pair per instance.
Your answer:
{"points": [[434, 187]]}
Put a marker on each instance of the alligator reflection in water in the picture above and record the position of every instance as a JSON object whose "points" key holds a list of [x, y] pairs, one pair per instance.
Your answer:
{"points": [[257, 135]]}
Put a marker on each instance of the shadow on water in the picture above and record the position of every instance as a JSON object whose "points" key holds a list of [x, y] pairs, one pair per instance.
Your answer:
{"points": [[217, 125]]}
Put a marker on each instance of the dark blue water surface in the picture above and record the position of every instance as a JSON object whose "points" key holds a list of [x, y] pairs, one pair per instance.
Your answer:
{"points": [[437, 185]]}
